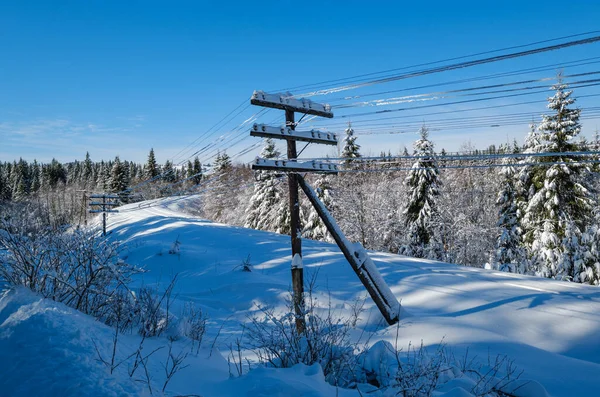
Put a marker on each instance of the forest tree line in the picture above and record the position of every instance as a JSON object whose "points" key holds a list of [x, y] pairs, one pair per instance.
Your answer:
{"points": [[530, 214]]}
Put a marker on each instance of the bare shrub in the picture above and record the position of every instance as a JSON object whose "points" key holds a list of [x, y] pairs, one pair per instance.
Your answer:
{"points": [[193, 325], [153, 310], [75, 267], [419, 372], [326, 340]]}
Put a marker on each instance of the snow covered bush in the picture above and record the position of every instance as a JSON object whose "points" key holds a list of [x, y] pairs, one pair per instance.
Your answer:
{"points": [[75, 267], [276, 341], [153, 316], [193, 325], [424, 372]]}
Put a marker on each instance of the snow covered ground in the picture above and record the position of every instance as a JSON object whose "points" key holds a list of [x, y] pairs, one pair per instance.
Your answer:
{"points": [[551, 329]]}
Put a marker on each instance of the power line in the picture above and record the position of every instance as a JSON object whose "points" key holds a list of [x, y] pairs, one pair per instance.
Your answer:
{"points": [[455, 66], [352, 78], [448, 125], [457, 103], [443, 94], [209, 130], [442, 112], [459, 156], [465, 166], [544, 68]]}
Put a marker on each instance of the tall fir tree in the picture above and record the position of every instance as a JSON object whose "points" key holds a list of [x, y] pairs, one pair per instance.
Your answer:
{"points": [[168, 172], [510, 255], [118, 177], [36, 180], [423, 183], [314, 228], [197, 171], [267, 198], [151, 170], [222, 163], [87, 173], [351, 149], [189, 170], [559, 210], [215, 205]]}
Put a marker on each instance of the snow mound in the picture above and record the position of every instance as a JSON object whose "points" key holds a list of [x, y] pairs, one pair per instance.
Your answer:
{"points": [[47, 349]]}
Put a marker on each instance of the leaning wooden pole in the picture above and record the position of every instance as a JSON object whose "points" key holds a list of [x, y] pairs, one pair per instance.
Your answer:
{"points": [[357, 256]]}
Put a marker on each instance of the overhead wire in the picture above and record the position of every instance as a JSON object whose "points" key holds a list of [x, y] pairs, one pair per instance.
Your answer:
{"points": [[571, 64], [444, 94], [354, 78], [455, 66]]}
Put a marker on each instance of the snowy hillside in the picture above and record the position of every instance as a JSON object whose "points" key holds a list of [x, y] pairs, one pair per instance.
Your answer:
{"points": [[549, 328]]}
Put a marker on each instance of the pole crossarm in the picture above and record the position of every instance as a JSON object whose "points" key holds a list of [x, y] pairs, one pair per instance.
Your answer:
{"points": [[102, 211], [313, 136], [294, 166], [288, 102]]}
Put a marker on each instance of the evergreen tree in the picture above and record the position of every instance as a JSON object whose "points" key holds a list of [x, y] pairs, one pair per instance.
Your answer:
{"points": [[36, 181], [197, 171], [422, 182], [189, 169], [54, 173], [510, 254], [168, 172], [87, 173], [222, 163], [5, 191], [351, 149], [132, 173], [216, 204], [560, 207], [151, 170], [315, 229], [21, 180], [267, 198], [118, 177]]}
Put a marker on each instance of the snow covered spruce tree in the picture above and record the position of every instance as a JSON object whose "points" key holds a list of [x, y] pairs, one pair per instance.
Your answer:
{"points": [[268, 196], [351, 149], [151, 169], [422, 182], [315, 229], [510, 254], [197, 171], [559, 210], [217, 199], [118, 176]]}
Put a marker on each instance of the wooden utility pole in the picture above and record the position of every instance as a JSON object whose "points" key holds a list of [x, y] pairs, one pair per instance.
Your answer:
{"points": [[104, 207], [291, 105], [83, 212], [356, 255], [297, 268]]}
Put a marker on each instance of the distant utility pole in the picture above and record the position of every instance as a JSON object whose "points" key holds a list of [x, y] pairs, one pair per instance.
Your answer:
{"points": [[354, 253], [83, 213], [103, 207]]}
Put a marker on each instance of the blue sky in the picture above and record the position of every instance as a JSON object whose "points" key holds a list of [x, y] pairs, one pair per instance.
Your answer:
{"points": [[119, 77]]}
